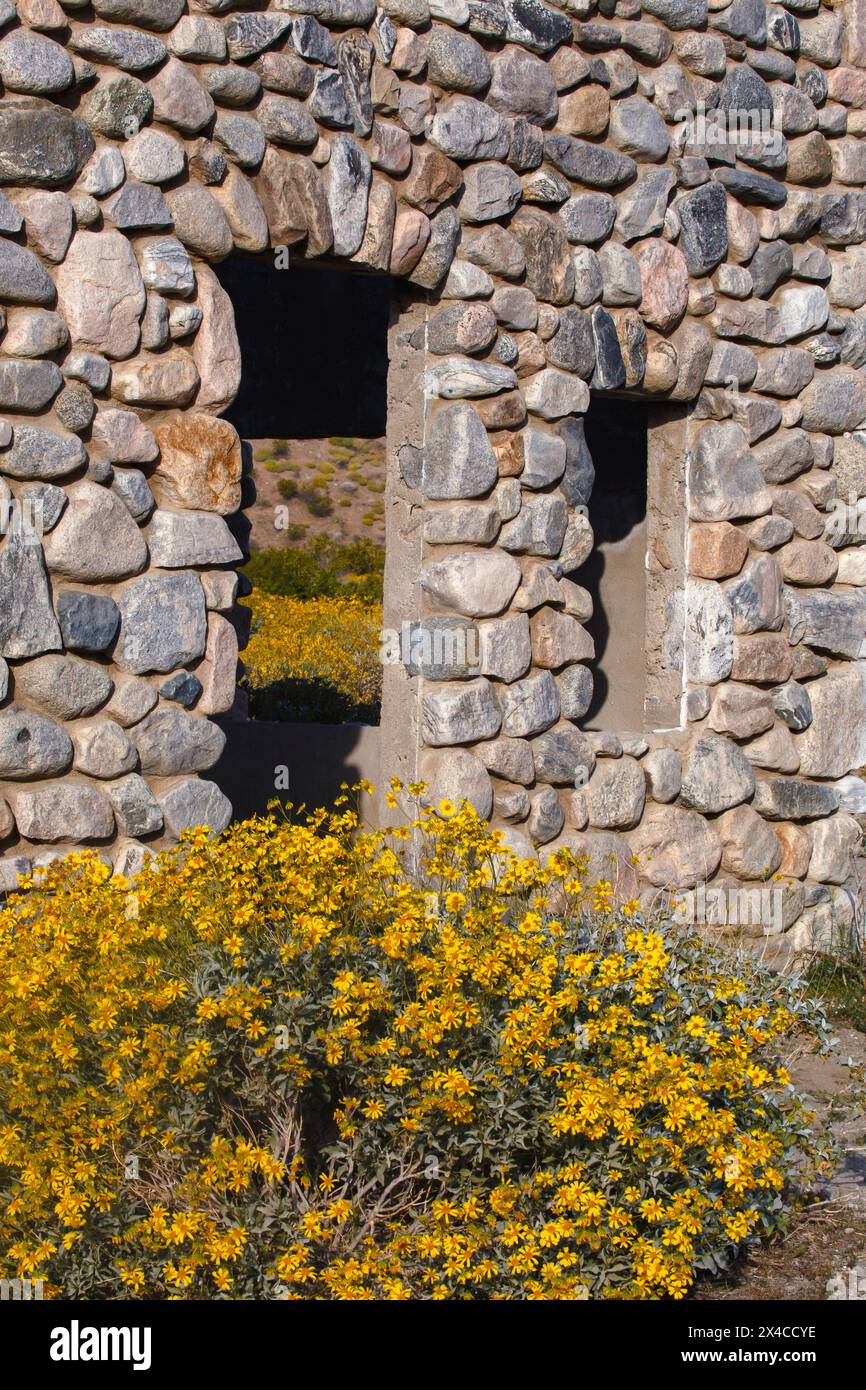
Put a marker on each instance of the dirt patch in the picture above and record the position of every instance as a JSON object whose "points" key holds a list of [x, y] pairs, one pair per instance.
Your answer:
{"points": [[312, 487], [827, 1233]]}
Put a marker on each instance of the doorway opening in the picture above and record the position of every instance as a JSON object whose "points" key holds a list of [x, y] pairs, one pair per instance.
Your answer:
{"points": [[311, 410], [615, 573]]}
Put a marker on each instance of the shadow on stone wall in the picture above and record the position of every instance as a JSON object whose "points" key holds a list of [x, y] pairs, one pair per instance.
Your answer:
{"points": [[317, 758]]}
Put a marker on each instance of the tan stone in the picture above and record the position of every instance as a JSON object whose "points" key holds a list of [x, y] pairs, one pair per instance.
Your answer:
{"points": [[217, 670], [763, 657], [243, 211], [200, 463], [716, 550], [558, 639], [101, 294], [216, 350], [662, 366], [796, 842], [375, 249], [166, 378], [584, 112], [510, 458], [275, 187], [431, 181], [664, 284], [809, 159], [411, 235]]}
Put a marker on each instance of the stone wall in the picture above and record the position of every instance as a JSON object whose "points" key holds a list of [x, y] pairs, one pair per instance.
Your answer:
{"points": [[562, 192]]}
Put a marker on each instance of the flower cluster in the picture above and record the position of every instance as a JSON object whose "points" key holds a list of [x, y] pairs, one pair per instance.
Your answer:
{"points": [[315, 659], [308, 1061]]}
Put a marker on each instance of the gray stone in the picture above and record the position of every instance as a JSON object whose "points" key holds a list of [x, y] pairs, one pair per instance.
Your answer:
{"points": [[131, 486], [88, 622], [724, 479], [181, 539], [563, 756], [136, 810], [183, 688], [641, 208], [835, 741], [704, 238], [251, 33], [717, 776], [163, 623], [41, 143], [118, 108], [75, 407], [460, 778], [576, 687], [545, 455], [66, 686], [27, 622], [491, 191], [127, 49], [638, 130], [589, 217], [833, 622], [615, 794], [621, 275], [154, 157], [594, 165], [38, 453], [132, 699], [32, 746], [546, 817], [755, 596], [676, 848], [530, 705], [751, 849], [663, 769], [96, 538], [170, 741], [572, 347], [232, 86], [166, 266], [47, 501], [708, 641], [455, 61], [329, 102], [539, 527], [466, 129], [457, 459], [835, 401], [731, 361], [477, 583], [28, 386], [460, 713], [34, 63], [103, 750], [456, 377], [69, 811], [347, 180], [788, 799], [792, 704], [771, 263], [23, 278]]}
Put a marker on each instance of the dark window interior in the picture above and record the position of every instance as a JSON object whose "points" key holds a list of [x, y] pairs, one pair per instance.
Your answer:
{"points": [[615, 573], [314, 349]]}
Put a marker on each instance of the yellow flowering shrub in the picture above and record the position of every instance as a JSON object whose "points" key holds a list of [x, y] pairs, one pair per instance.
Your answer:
{"points": [[281, 1064], [314, 659]]}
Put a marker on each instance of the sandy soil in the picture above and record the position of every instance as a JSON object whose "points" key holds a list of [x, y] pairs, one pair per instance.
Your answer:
{"points": [[347, 474]]}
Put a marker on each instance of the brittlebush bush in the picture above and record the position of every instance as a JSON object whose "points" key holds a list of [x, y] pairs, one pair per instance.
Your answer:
{"points": [[313, 660], [281, 1065]]}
